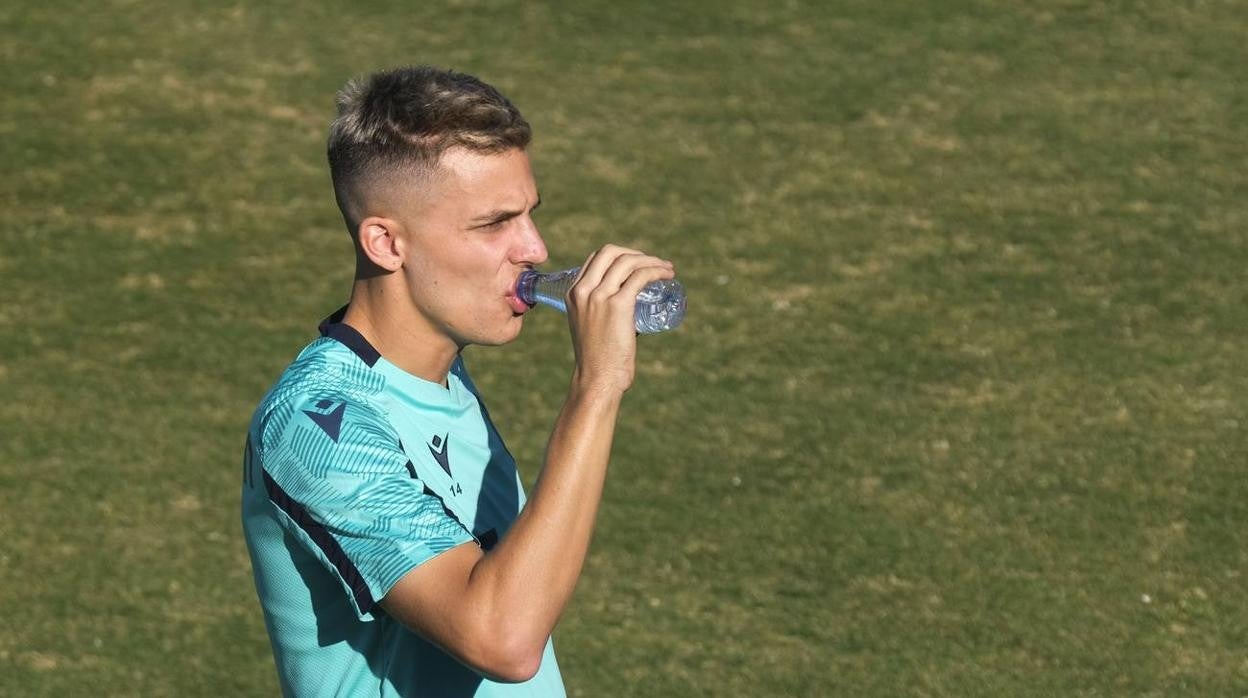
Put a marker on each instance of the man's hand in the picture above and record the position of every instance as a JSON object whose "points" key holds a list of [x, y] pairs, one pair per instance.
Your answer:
{"points": [[601, 307]]}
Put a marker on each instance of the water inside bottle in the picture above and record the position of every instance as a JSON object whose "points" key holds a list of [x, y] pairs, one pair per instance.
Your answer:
{"points": [[660, 306]]}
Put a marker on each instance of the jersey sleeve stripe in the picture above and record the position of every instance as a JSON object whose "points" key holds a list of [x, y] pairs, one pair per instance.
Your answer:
{"points": [[324, 540]]}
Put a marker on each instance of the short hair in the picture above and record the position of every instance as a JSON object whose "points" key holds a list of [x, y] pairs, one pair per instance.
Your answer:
{"points": [[401, 121]]}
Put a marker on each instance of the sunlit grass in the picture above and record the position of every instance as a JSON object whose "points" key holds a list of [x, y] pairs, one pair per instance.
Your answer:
{"points": [[957, 410]]}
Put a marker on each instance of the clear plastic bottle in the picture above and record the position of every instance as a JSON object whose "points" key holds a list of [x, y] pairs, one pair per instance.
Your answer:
{"points": [[660, 305]]}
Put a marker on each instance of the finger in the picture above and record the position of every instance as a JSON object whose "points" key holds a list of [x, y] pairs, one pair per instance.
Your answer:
{"points": [[623, 268], [588, 261], [598, 263], [641, 276]]}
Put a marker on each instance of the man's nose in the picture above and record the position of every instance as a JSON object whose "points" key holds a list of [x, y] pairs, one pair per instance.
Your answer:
{"points": [[532, 249]]}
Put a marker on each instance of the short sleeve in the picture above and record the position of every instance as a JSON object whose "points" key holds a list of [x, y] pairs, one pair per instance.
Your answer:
{"points": [[337, 475]]}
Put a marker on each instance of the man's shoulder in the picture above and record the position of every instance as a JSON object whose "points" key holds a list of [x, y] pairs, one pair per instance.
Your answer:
{"points": [[327, 366], [327, 382]]}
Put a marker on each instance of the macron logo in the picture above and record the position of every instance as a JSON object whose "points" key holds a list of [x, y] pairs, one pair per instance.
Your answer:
{"points": [[330, 422], [438, 449]]}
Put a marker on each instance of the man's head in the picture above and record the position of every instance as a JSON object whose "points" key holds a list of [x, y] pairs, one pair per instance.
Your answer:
{"points": [[431, 175], [395, 126]]}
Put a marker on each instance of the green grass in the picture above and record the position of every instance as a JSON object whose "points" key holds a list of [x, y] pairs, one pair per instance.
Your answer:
{"points": [[955, 411]]}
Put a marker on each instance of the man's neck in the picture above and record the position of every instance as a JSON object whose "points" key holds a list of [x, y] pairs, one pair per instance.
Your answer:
{"points": [[386, 318]]}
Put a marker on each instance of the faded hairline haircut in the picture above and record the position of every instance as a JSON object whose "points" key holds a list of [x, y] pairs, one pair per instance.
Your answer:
{"points": [[399, 123]]}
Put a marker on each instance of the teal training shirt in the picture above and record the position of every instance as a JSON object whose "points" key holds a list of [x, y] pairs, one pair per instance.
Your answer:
{"points": [[356, 472]]}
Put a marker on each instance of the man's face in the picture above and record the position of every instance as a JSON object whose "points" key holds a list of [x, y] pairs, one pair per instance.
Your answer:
{"points": [[467, 240]]}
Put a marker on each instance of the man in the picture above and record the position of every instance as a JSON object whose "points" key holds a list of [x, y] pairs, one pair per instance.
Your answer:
{"points": [[393, 550]]}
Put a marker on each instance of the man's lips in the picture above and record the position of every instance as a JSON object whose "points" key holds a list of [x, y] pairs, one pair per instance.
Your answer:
{"points": [[518, 306]]}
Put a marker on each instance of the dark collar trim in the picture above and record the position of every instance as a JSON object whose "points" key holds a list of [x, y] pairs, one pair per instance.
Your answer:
{"points": [[334, 328]]}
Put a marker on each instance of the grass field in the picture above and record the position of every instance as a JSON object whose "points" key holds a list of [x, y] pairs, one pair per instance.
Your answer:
{"points": [[955, 411]]}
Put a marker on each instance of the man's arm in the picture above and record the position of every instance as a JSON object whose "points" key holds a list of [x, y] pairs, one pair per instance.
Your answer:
{"points": [[494, 611]]}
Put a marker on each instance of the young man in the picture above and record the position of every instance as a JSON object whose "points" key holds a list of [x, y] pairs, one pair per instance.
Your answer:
{"points": [[393, 551]]}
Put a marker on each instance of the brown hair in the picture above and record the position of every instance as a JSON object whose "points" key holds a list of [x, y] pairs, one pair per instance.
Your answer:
{"points": [[401, 121]]}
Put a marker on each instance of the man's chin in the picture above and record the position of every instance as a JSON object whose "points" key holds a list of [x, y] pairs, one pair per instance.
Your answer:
{"points": [[504, 335]]}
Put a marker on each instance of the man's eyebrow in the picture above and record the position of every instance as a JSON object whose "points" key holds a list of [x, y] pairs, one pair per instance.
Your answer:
{"points": [[498, 215]]}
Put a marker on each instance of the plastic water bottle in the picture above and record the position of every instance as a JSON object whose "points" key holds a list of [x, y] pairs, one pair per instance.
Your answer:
{"points": [[660, 305]]}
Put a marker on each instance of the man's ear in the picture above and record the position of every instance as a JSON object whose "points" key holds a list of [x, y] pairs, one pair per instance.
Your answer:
{"points": [[379, 242]]}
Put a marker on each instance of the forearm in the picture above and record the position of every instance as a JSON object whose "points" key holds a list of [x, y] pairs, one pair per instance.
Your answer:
{"points": [[529, 577]]}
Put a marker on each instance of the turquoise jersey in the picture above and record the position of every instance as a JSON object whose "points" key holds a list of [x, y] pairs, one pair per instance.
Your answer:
{"points": [[355, 473]]}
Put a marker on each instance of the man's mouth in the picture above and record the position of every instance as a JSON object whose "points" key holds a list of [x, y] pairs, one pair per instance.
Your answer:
{"points": [[517, 306]]}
